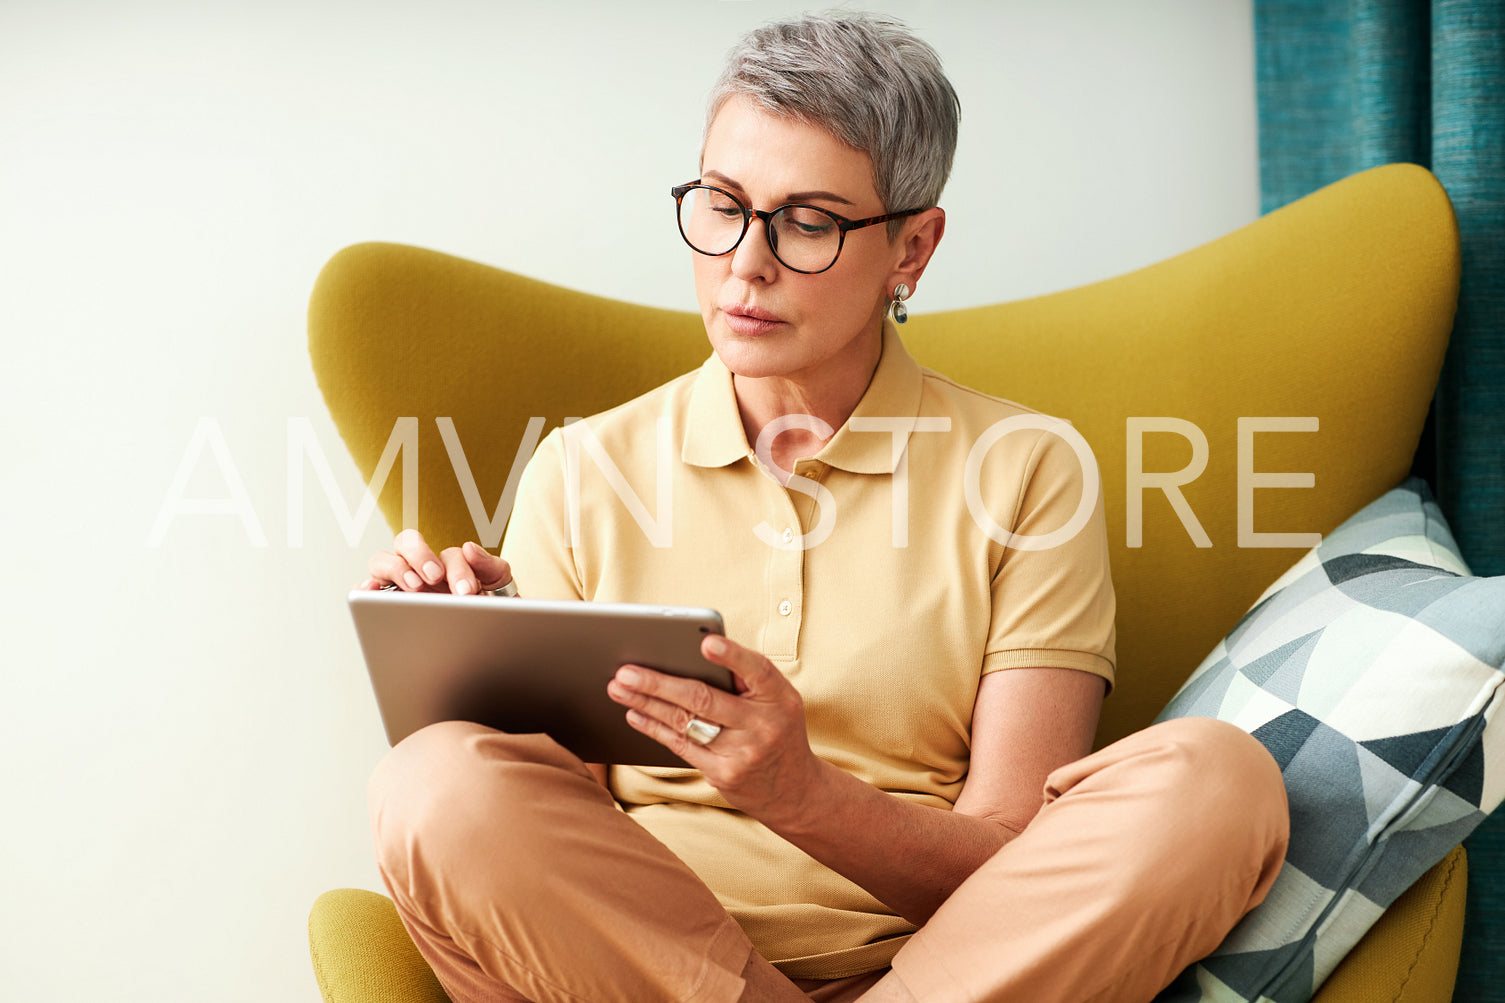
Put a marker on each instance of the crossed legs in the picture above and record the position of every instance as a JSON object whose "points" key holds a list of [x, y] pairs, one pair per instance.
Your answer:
{"points": [[518, 877]]}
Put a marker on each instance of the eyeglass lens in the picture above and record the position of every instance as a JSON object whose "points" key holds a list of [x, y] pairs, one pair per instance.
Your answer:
{"points": [[803, 238]]}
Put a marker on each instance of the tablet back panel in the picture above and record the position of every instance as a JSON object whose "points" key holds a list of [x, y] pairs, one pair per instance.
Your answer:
{"points": [[526, 665]]}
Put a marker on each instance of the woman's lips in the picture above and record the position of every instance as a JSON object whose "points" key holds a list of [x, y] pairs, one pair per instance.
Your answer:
{"points": [[750, 320]]}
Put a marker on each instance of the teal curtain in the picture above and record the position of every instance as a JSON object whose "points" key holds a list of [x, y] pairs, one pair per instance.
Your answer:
{"points": [[1349, 84]]}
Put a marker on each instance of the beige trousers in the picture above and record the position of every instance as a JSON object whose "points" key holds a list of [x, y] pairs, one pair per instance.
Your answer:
{"points": [[518, 877]]}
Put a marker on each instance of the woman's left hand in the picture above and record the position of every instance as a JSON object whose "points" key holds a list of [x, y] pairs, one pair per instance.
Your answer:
{"points": [[761, 761]]}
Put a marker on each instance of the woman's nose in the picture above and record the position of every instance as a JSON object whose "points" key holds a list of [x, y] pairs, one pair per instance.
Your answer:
{"points": [[753, 257]]}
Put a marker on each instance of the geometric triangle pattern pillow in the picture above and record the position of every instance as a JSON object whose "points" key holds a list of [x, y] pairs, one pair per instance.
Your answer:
{"points": [[1374, 672]]}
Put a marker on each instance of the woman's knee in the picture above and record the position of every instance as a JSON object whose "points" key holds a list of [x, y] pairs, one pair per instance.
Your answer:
{"points": [[417, 782], [1224, 792], [1227, 768], [414, 770], [449, 782]]}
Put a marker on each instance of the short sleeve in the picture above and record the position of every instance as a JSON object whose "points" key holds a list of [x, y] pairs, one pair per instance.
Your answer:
{"points": [[537, 543], [1054, 606]]}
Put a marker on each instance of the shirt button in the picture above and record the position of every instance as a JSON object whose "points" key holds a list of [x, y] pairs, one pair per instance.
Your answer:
{"points": [[788, 535], [785, 608]]}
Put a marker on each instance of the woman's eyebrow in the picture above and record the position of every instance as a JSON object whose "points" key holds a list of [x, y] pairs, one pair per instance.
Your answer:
{"points": [[791, 197]]}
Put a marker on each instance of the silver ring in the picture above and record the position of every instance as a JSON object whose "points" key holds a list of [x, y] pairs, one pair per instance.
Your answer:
{"points": [[506, 591], [701, 732]]}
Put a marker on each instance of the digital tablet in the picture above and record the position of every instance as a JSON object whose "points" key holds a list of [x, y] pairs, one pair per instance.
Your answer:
{"points": [[526, 665]]}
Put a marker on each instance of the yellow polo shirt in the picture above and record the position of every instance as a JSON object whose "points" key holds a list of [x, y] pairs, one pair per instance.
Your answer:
{"points": [[883, 582]]}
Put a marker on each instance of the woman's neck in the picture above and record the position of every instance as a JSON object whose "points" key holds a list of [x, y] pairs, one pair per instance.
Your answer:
{"points": [[829, 395]]}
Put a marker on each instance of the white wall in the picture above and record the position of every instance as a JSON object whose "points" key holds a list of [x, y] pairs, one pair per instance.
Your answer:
{"points": [[186, 729]]}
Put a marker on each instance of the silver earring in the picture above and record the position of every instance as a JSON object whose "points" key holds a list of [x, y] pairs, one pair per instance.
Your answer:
{"points": [[901, 293]]}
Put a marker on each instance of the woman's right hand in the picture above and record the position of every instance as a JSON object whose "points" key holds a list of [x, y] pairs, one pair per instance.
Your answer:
{"points": [[413, 567]]}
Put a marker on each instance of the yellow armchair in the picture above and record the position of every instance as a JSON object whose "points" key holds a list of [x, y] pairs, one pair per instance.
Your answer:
{"points": [[1336, 308]]}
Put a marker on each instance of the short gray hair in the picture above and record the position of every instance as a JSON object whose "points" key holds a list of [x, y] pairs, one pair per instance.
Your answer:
{"points": [[868, 81]]}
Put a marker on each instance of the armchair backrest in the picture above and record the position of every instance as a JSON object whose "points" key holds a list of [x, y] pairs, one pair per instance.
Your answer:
{"points": [[1307, 343]]}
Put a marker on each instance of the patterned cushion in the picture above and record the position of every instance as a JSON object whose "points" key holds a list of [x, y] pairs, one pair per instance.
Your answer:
{"points": [[1372, 671]]}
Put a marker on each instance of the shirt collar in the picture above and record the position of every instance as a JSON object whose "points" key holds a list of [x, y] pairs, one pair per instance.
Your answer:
{"points": [[713, 425], [714, 436]]}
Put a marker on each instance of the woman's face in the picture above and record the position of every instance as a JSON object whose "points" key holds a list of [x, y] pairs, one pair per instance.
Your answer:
{"points": [[762, 318]]}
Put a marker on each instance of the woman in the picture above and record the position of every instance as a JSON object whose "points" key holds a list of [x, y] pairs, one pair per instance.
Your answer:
{"points": [[919, 622]]}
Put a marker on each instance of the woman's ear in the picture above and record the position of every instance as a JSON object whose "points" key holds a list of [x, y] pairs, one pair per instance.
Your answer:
{"points": [[917, 242]]}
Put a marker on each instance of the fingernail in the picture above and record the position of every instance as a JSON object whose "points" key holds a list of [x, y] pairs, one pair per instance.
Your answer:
{"points": [[433, 572], [413, 581], [628, 677], [462, 587], [716, 643]]}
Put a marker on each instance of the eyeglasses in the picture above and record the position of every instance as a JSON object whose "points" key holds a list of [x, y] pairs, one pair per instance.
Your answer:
{"points": [[805, 238]]}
